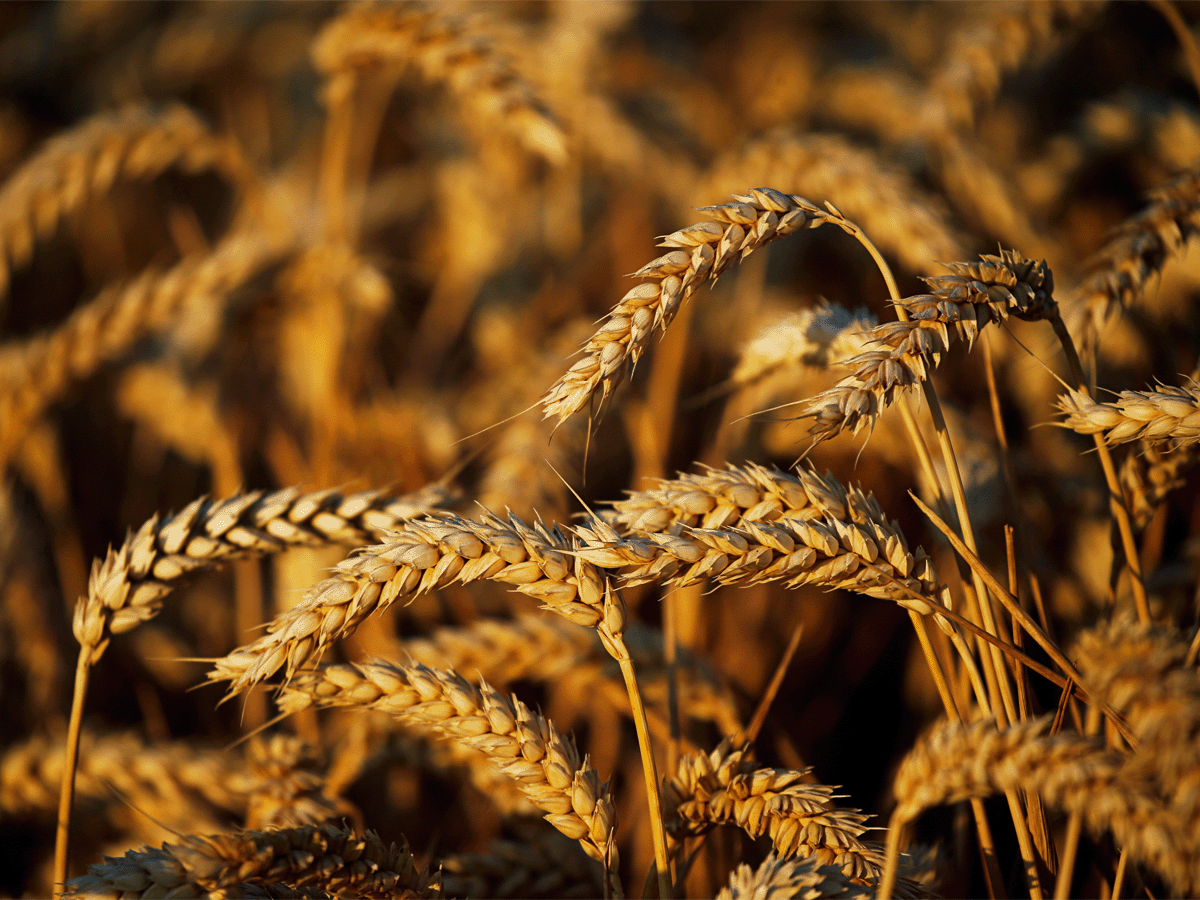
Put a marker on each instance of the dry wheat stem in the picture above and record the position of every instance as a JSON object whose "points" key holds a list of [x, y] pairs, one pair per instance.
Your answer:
{"points": [[962, 303], [524, 745], [445, 48], [85, 162], [34, 373], [1167, 415], [327, 857]]}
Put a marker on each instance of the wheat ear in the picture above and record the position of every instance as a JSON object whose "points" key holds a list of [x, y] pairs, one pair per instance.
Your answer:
{"points": [[962, 303], [1168, 414], [87, 160], [34, 373], [779, 877], [522, 743], [444, 48], [325, 858], [543, 865]]}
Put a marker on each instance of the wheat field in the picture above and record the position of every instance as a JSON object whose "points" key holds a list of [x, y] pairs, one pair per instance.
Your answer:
{"points": [[560, 449]]}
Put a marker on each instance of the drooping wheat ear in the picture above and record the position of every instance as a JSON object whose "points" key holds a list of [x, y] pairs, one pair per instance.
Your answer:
{"points": [[780, 877], [727, 788], [542, 865], [129, 585], [35, 372], [971, 297], [168, 781], [814, 338], [1169, 415], [326, 858], [1142, 671], [1067, 770], [1140, 248], [754, 524], [444, 48], [903, 221], [285, 784], [707, 250], [136, 143], [1001, 40], [1149, 473], [421, 556], [523, 744]]}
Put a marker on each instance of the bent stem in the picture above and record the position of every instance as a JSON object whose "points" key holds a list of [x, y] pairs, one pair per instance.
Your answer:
{"points": [[66, 796], [648, 768]]}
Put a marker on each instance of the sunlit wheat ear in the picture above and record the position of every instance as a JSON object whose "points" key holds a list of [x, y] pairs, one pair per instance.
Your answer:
{"points": [[285, 785], [445, 48], [82, 163], [522, 743], [1168, 415], [326, 859], [1068, 771], [904, 221], [963, 302], [128, 587], [779, 877], [705, 250], [422, 556], [754, 525], [727, 788], [36, 372], [1138, 250]]}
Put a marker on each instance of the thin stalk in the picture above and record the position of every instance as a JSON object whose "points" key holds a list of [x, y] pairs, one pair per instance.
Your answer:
{"points": [[1062, 887], [764, 705], [335, 154], [648, 768], [1119, 877], [66, 796], [1182, 34], [1116, 498]]}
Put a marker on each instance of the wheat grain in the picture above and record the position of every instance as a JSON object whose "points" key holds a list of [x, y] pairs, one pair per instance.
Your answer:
{"points": [[326, 857], [779, 877], [1149, 474], [36, 372], [444, 48], [1169, 414], [84, 162], [523, 744], [962, 303], [129, 585], [423, 555]]}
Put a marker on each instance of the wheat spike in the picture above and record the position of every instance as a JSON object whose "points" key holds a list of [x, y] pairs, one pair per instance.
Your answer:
{"points": [[725, 787], [780, 877], [285, 786], [1168, 415], [86, 161], [523, 744], [34, 373], [1068, 771], [756, 525], [326, 858], [963, 302], [421, 556], [541, 865], [129, 585], [444, 48]]}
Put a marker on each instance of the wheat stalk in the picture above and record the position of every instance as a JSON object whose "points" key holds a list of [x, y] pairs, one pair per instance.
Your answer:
{"points": [[1168, 414], [523, 744], [84, 162], [326, 858]]}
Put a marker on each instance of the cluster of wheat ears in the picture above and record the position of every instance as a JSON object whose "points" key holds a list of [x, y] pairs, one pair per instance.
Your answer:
{"points": [[392, 596]]}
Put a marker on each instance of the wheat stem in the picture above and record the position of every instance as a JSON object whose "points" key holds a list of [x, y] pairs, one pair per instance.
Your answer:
{"points": [[66, 795]]}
